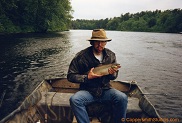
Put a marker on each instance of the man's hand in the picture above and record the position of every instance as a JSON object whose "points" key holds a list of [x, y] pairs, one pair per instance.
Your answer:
{"points": [[113, 70], [92, 75]]}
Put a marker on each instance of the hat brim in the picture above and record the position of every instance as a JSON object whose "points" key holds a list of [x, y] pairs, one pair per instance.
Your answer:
{"points": [[99, 39]]}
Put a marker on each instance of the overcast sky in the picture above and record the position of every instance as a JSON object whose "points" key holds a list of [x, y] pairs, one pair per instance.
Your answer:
{"points": [[101, 9]]}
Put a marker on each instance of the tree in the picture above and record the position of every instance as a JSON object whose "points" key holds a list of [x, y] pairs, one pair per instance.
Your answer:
{"points": [[156, 21], [151, 22], [35, 15]]}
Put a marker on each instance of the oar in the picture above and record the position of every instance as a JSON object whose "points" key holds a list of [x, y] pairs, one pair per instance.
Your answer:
{"points": [[164, 94]]}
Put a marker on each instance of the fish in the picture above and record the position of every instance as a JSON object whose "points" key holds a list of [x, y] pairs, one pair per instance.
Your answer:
{"points": [[103, 69]]}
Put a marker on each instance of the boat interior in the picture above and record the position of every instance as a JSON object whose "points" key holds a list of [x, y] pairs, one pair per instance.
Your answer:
{"points": [[49, 103]]}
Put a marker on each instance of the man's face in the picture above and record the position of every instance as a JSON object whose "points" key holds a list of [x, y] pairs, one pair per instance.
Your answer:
{"points": [[99, 46]]}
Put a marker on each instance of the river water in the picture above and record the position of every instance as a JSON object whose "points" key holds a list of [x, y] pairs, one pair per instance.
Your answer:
{"points": [[154, 60]]}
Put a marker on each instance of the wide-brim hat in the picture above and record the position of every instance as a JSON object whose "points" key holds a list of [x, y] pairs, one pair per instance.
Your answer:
{"points": [[99, 35]]}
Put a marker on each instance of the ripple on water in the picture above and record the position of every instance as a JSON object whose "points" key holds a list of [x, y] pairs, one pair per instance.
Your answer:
{"points": [[154, 60]]}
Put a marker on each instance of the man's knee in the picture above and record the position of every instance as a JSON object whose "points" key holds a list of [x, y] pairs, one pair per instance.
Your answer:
{"points": [[121, 97], [124, 96], [73, 100]]}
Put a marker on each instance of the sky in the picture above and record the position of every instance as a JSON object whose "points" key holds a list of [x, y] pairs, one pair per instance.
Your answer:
{"points": [[102, 9]]}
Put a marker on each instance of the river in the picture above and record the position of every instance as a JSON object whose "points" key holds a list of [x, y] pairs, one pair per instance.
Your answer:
{"points": [[154, 60]]}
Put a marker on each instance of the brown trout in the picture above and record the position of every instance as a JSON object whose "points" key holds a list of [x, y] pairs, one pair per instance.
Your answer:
{"points": [[103, 69]]}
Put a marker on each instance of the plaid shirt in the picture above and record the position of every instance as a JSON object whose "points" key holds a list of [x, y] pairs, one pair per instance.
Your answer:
{"points": [[83, 62]]}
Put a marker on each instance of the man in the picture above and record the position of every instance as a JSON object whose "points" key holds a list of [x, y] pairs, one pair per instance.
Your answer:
{"points": [[95, 87]]}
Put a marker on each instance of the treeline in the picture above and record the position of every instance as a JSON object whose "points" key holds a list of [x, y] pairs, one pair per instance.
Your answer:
{"points": [[148, 21], [18, 16]]}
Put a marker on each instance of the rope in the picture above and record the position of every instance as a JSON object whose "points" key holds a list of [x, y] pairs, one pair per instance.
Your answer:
{"points": [[52, 98], [49, 106], [37, 109], [45, 116], [55, 116]]}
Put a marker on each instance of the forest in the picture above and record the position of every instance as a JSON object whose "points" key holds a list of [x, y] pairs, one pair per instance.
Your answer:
{"points": [[22, 16], [169, 21]]}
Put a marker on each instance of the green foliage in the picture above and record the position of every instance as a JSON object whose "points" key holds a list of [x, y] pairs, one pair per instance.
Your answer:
{"points": [[34, 15], [151, 21]]}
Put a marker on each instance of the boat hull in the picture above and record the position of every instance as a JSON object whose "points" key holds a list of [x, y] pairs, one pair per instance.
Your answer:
{"points": [[49, 103]]}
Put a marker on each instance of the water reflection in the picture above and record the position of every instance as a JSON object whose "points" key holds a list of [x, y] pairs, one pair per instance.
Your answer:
{"points": [[27, 59], [152, 59]]}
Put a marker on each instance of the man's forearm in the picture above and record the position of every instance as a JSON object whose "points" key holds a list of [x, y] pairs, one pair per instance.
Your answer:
{"points": [[77, 78]]}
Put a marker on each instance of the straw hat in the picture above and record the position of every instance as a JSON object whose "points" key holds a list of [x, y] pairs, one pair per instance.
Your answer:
{"points": [[99, 35]]}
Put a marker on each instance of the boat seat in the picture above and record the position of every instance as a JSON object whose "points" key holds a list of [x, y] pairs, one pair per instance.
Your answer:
{"points": [[57, 105], [56, 99], [55, 108]]}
